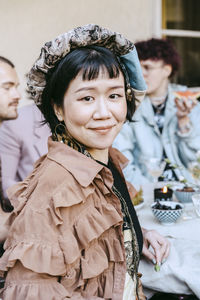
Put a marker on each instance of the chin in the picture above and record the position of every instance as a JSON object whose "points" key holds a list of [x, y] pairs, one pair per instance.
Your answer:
{"points": [[12, 116]]}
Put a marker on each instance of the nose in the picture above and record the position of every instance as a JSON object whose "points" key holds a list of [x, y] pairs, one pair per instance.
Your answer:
{"points": [[102, 110], [15, 93]]}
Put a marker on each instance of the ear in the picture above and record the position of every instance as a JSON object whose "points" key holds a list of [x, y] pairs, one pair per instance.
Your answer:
{"points": [[168, 70], [58, 112]]}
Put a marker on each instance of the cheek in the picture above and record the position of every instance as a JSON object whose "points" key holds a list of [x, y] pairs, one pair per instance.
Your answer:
{"points": [[153, 82], [76, 116], [122, 112]]}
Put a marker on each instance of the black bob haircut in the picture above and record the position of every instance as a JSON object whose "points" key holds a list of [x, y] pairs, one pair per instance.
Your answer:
{"points": [[87, 60]]}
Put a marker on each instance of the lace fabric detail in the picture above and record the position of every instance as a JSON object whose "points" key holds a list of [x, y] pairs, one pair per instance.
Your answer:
{"points": [[131, 246]]}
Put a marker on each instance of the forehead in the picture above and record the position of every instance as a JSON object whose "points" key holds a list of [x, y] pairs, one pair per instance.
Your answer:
{"points": [[151, 62], [7, 74]]}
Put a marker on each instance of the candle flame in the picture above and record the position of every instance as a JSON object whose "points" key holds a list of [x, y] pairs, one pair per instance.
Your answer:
{"points": [[165, 189]]}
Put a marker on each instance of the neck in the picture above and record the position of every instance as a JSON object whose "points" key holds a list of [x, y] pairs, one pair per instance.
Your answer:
{"points": [[100, 155], [158, 96]]}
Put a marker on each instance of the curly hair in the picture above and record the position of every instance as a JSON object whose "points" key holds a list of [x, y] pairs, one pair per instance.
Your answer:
{"points": [[159, 49]]}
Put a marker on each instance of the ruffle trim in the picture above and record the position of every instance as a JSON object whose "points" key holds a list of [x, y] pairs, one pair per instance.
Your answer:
{"points": [[90, 233], [18, 193], [88, 228], [73, 196], [34, 256], [44, 289]]}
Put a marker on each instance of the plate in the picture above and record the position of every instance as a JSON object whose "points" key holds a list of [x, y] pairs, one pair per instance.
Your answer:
{"points": [[140, 205]]}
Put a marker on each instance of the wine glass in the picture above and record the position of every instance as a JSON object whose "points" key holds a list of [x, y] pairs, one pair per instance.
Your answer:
{"points": [[194, 168], [155, 167]]}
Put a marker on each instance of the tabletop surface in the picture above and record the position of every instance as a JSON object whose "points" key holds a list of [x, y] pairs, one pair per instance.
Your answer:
{"points": [[181, 272]]}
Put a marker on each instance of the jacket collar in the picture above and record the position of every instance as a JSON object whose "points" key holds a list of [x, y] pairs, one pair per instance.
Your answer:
{"points": [[147, 112], [83, 168]]}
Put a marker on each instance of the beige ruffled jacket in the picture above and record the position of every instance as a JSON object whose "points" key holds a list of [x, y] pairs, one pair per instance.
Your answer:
{"points": [[66, 241]]}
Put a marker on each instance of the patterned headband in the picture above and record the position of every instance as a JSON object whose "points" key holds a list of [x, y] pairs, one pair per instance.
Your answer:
{"points": [[53, 51]]}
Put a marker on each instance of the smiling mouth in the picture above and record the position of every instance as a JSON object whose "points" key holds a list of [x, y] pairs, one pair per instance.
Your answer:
{"points": [[103, 129]]}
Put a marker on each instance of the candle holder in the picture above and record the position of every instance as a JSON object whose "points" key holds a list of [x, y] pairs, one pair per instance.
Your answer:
{"points": [[163, 194]]}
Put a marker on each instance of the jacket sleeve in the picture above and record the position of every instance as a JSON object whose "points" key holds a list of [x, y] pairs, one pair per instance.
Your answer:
{"points": [[189, 143], [125, 142], [10, 155]]}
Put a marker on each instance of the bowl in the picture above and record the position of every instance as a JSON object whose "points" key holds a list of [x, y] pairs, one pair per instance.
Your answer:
{"points": [[168, 213], [184, 196]]}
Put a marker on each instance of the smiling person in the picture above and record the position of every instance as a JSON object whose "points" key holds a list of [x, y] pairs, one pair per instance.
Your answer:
{"points": [[74, 231], [165, 127]]}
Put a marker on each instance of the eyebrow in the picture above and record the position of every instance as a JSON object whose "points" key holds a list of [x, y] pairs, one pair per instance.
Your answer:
{"points": [[9, 83], [92, 88]]}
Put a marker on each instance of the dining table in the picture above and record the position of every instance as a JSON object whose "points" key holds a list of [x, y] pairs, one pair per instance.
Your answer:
{"points": [[180, 273]]}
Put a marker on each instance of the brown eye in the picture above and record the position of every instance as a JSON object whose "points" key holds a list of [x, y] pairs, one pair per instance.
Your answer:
{"points": [[88, 98], [114, 96]]}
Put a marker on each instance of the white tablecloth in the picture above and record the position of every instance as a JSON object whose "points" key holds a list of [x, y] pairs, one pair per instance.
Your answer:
{"points": [[181, 272]]}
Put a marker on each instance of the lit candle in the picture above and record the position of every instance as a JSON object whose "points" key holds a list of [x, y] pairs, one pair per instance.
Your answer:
{"points": [[163, 194]]}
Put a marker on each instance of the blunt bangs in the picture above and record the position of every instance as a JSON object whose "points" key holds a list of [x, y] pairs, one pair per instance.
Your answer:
{"points": [[96, 62]]}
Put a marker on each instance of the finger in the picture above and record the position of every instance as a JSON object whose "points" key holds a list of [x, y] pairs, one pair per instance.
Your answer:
{"points": [[179, 104], [166, 254], [187, 102], [182, 109], [149, 255], [161, 250], [158, 251], [164, 251]]}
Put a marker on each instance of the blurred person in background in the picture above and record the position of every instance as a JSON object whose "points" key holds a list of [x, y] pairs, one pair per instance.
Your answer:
{"points": [[9, 99], [164, 126], [22, 142]]}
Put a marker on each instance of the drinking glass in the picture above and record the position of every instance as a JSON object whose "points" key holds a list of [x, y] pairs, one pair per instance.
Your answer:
{"points": [[155, 167], [196, 203], [194, 168]]}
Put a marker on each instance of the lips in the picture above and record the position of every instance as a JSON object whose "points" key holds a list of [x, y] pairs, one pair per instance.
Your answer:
{"points": [[14, 103], [103, 129]]}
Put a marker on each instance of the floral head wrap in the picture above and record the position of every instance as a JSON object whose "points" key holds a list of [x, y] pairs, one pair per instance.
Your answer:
{"points": [[53, 51]]}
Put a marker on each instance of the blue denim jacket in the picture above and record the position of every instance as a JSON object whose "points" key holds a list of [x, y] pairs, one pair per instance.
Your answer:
{"points": [[142, 139]]}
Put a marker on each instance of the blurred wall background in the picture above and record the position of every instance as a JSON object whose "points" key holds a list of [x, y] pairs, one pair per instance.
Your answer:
{"points": [[25, 25]]}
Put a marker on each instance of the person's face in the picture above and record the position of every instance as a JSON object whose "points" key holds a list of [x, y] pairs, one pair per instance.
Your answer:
{"points": [[155, 73], [9, 95], [94, 111]]}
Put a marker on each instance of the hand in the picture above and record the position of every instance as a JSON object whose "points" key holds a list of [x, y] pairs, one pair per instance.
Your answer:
{"points": [[159, 244], [184, 106]]}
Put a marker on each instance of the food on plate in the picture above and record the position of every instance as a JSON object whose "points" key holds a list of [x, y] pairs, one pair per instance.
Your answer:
{"points": [[138, 198]]}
